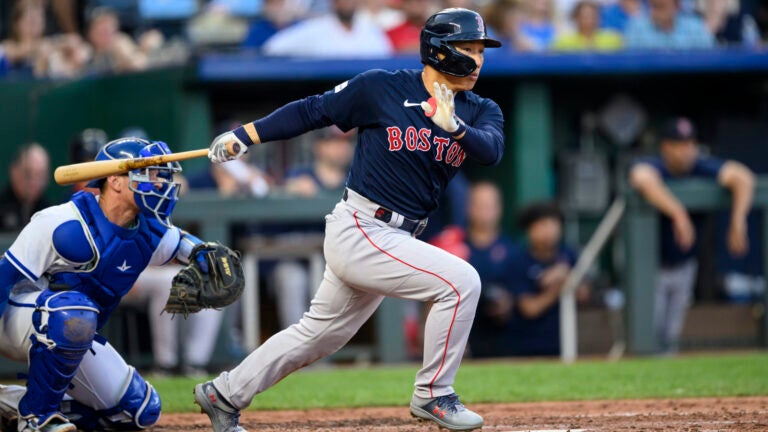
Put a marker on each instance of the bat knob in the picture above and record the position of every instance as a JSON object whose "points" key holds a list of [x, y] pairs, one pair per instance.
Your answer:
{"points": [[234, 148]]}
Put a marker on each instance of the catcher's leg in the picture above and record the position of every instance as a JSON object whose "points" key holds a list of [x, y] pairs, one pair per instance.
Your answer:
{"points": [[336, 313], [65, 325], [109, 394]]}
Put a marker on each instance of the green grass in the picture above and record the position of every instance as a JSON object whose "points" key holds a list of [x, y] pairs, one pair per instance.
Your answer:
{"points": [[721, 375]]}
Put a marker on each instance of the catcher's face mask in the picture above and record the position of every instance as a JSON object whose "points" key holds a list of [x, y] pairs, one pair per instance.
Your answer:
{"points": [[154, 188]]}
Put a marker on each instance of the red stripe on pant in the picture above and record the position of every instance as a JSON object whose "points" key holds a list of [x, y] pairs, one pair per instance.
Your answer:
{"points": [[455, 309]]}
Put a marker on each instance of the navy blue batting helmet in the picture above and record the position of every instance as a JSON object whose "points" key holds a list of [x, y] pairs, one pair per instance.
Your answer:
{"points": [[154, 189], [448, 26]]}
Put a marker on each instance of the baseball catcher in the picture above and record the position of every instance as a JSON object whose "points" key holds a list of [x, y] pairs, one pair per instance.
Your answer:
{"points": [[213, 280]]}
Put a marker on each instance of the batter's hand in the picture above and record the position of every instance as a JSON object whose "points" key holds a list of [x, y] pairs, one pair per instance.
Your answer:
{"points": [[226, 147], [442, 110]]}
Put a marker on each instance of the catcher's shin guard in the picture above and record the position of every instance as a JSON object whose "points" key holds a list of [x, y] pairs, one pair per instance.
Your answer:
{"points": [[139, 408], [65, 325]]}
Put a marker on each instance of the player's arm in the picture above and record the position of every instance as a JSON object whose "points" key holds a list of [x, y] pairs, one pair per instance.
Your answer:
{"points": [[648, 182], [348, 105], [9, 276], [532, 306], [187, 243], [483, 140], [741, 182]]}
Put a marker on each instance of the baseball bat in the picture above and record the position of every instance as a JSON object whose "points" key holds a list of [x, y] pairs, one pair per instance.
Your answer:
{"points": [[86, 171]]}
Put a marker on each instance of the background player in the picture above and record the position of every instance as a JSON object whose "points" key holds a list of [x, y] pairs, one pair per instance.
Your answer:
{"points": [[61, 279], [408, 149]]}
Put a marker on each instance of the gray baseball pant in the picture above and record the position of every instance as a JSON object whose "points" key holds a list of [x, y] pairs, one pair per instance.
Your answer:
{"points": [[366, 260], [674, 290]]}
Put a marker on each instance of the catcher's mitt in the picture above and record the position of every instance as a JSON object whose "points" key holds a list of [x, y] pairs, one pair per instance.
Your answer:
{"points": [[194, 289]]}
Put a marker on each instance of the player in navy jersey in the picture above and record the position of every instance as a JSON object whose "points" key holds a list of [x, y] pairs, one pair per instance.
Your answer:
{"points": [[61, 279], [679, 158], [415, 130]]}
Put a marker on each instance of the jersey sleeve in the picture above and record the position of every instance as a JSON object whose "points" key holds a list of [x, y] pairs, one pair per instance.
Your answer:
{"points": [[708, 167], [353, 103], [484, 138], [32, 252], [167, 247]]}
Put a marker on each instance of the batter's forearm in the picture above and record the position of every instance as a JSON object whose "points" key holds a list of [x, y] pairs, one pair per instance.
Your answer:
{"points": [[286, 122], [486, 147]]}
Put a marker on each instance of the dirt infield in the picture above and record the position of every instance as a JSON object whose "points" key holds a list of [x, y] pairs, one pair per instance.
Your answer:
{"points": [[699, 415]]}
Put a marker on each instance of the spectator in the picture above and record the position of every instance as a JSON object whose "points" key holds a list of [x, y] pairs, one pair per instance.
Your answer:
{"points": [[327, 174], [502, 18], [536, 31], [406, 37], [27, 45], [241, 179], [538, 275], [616, 15], [113, 51], [587, 36], [466, 4], [380, 13], [339, 34], [728, 23], [491, 254], [83, 148], [275, 16], [665, 27], [67, 57], [23, 197], [679, 158]]}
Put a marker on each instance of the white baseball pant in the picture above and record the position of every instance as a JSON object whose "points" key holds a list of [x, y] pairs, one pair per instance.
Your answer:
{"points": [[367, 259], [202, 328], [102, 376]]}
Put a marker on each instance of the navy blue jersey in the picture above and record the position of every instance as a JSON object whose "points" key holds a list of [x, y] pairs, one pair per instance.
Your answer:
{"points": [[489, 337], [704, 167], [403, 161], [541, 335]]}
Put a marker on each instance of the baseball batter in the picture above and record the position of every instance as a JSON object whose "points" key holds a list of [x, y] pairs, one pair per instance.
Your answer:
{"points": [[59, 282], [416, 129]]}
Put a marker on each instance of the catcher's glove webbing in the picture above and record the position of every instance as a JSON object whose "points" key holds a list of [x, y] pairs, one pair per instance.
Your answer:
{"points": [[194, 289]]}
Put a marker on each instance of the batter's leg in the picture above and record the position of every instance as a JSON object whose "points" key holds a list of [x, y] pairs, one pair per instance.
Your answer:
{"points": [[392, 263], [335, 315]]}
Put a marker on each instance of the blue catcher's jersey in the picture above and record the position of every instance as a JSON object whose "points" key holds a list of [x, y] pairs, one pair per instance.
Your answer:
{"points": [[402, 160], [74, 244]]}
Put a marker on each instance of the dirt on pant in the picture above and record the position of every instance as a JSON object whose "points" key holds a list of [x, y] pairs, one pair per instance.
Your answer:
{"points": [[743, 414]]}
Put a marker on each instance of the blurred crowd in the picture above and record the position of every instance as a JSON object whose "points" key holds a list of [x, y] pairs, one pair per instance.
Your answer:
{"points": [[72, 38]]}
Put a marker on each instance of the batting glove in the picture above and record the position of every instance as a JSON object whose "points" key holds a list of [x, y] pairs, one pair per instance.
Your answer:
{"points": [[226, 147], [440, 109]]}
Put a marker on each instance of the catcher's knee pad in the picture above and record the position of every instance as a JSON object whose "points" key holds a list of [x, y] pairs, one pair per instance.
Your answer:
{"points": [[65, 325], [138, 408]]}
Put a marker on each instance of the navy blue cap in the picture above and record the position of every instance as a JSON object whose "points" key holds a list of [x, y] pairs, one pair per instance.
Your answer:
{"points": [[678, 129]]}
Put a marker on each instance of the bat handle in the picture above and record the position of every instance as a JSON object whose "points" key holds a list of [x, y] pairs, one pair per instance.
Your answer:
{"points": [[233, 148]]}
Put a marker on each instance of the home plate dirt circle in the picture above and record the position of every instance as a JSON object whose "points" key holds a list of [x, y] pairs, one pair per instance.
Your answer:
{"points": [[742, 414]]}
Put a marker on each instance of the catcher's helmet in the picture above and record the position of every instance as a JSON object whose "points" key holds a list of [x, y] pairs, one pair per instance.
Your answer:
{"points": [[154, 189], [453, 25]]}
